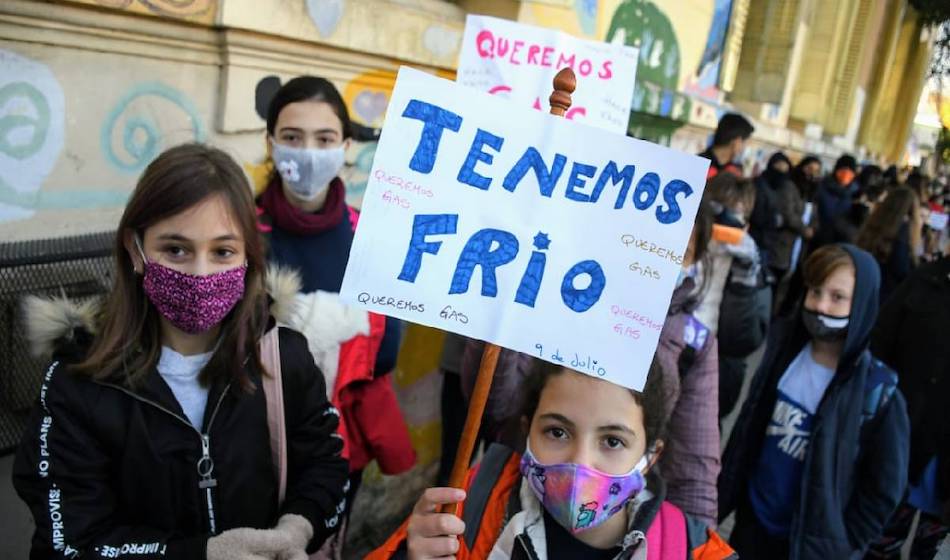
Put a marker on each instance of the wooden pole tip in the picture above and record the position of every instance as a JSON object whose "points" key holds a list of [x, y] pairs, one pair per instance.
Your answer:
{"points": [[565, 82]]}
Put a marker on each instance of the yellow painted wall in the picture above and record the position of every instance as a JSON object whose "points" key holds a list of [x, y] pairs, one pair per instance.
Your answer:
{"points": [[887, 123], [690, 23], [197, 11], [418, 31]]}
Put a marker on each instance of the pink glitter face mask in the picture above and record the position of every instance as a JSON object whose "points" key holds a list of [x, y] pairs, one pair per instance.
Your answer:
{"points": [[579, 497], [192, 303]]}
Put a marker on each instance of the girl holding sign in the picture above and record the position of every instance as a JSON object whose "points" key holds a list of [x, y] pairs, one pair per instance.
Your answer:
{"points": [[150, 437], [817, 461], [585, 486]]}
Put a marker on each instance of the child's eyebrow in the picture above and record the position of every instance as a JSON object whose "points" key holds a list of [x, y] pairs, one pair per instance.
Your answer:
{"points": [[557, 417], [617, 428], [182, 238]]}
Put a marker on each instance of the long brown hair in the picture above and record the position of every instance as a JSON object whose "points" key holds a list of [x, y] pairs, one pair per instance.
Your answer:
{"points": [[879, 233], [128, 344]]}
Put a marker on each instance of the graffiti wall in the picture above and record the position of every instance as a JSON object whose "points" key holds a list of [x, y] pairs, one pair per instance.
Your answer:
{"points": [[681, 55], [79, 125], [72, 143]]}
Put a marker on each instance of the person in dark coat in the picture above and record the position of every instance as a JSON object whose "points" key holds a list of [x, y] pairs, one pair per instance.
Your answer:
{"points": [[834, 202], [767, 220], [806, 176], [867, 191], [816, 463], [778, 222], [151, 435], [911, 337]]}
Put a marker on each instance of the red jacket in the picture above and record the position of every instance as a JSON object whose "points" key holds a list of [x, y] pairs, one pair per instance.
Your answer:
{"points": [[372, 426]]}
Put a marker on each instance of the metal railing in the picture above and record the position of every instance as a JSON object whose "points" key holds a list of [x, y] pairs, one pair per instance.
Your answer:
{"points": [[77, 267]]}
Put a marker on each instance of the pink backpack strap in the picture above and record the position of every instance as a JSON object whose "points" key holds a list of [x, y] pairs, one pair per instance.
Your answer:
{"points": [[274, 395], [666, 537]]}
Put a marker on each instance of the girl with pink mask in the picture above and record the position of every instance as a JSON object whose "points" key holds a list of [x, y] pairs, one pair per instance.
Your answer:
{"points": [[151, 435], [585, 486]]}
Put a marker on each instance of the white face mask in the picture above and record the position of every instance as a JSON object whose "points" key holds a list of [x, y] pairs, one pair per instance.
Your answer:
{"points": [[307, 172]]}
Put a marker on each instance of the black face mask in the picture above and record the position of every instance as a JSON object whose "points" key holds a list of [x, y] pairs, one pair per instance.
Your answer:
{"points": [[729, 218], [825, 327], [775, 177]]}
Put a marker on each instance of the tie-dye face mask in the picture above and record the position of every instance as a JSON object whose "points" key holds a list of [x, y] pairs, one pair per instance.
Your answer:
{"points": [[580, 497], [192, 303]]}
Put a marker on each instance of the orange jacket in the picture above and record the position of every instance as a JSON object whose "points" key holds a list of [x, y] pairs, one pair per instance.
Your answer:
{"points": [[488, 505]]}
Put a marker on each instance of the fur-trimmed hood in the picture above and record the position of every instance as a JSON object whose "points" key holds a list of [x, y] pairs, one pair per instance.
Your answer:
{"points": [[53, 324], [57, 322]]}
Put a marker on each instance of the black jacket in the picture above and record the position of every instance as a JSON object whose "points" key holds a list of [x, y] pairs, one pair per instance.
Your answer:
{"points": [[853, 477], [833, 204], [766, 219], [911, 337], [899, 263], [107, 470], [791, 206]]}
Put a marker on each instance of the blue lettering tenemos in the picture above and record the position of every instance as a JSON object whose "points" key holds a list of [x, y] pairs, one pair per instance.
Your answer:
{"points": [[530, 229], [585, 183]]}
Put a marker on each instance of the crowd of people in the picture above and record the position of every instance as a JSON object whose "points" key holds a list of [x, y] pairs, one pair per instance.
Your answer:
{"points": [[221, 403]]}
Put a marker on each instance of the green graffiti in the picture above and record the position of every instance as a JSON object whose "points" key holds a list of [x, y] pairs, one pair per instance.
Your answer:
{"points": [[141, 133], [639, 23], [10, 122]]}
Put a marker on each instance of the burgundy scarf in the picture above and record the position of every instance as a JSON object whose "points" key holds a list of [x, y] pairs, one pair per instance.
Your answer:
{"points": [[294, 220]]}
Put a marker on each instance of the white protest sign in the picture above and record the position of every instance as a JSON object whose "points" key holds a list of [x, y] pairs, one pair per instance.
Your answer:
{"points": [[527, 230], [519, 61], [937, 220]]}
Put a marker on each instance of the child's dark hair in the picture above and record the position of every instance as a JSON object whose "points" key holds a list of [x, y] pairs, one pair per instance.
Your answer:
{"points": [[730, 127], [308, 88], [651, 399]]}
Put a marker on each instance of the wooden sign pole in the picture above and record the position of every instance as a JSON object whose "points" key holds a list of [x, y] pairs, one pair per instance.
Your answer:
{"points": [[564, 85]]}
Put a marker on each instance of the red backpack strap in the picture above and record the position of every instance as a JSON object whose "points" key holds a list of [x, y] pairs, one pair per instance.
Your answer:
{"points": [[666, 537]]}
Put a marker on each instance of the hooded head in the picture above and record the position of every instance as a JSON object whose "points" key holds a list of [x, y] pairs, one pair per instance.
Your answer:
{"points": [[845, 170], [777, 170], [864, 299]]}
